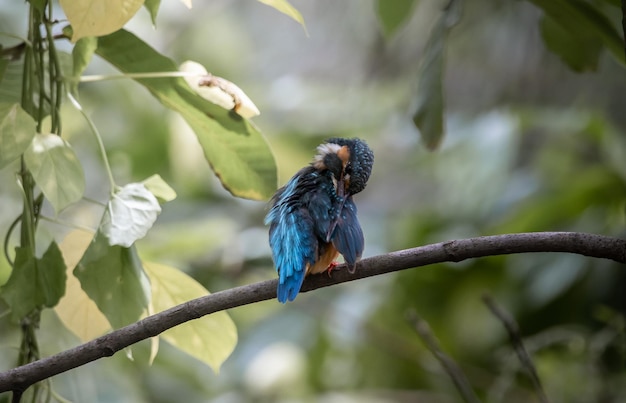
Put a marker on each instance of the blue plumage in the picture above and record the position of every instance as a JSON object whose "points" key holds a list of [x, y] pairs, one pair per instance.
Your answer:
{"points": [[313, 217]]}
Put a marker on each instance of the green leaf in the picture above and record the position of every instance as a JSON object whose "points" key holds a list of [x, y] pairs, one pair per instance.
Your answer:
{"points": [[82, 54], [6, 96], [583, 19], [11, 81], [153, 8], [159, 188], [131, 212], [428, 116], [113, 277], [233, 146], [66, 63], [286, 8], [56, 170], [98, 17], [17, 129], [392, 14], [210, 339], [34, 283]]}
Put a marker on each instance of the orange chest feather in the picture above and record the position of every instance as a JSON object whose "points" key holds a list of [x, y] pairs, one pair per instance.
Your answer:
{"points": [[324, 261]]}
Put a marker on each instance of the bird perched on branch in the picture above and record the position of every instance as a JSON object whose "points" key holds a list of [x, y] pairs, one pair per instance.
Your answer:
{"points": [[313, 217]]}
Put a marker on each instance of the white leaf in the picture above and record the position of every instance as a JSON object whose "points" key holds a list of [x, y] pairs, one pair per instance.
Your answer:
{"points": [[131, 212]]}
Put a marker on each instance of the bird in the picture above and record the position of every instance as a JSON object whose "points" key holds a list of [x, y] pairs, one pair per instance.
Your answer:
{"points": [[313, 218]]}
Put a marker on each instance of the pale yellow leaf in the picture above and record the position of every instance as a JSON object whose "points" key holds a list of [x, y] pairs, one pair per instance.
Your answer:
{"points": [[76, 310], [210, 339], [154, 349], [286, 8], [98, 17]]}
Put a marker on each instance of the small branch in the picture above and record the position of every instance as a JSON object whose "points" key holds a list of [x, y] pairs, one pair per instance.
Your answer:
{"points": [[512, 329], [20, 378], [449, 365]]}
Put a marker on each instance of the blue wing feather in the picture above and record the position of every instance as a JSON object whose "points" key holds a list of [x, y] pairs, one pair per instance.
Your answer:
{"points": [[323, 205], [347, 236], [292, 239]]}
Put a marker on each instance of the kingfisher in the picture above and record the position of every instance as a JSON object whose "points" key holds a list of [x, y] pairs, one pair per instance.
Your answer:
{"points": [[313, 217]]}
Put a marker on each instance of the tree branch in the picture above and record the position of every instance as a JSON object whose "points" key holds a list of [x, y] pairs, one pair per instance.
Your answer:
{"points": [[20, 378]]}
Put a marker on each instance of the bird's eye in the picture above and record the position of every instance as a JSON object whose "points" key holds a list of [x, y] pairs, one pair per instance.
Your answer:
{"points": [[348, 168]]}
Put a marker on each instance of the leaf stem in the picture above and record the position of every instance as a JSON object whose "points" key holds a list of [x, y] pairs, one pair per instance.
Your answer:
{"points": [[7, 238], [101, 148], [39, 52], [156, 74], [56, 85]]}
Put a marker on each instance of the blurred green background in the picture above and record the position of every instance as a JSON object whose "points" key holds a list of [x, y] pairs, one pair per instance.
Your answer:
{"points": [[530, 146]]}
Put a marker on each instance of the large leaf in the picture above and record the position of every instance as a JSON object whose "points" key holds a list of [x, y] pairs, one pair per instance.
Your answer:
{"points": [[98, 17], [428, 116], [210, 339], [235, 149], [17, 129], [56, 170], [130, 214], [76, 310], [34, 283], [581, 18], [286, 8], [392, 14], [114, 279]]}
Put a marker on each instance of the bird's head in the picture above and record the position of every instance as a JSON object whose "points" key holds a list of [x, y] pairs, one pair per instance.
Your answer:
{"points": [[349, 160]]}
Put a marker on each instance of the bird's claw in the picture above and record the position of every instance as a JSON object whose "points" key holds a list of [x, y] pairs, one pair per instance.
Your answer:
{"points": [[331, 267]]}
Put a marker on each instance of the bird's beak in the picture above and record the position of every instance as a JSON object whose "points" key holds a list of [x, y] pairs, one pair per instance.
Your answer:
{"points": [[343, 196], [341, 188]]}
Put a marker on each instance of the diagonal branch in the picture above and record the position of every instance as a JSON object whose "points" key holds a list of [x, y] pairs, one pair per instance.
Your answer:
{"points": [[512, 328], [453, 370], [20, 378]]}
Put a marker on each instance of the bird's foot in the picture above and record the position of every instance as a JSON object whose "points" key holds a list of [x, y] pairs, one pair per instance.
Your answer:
{"points": [[331, 267]]}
